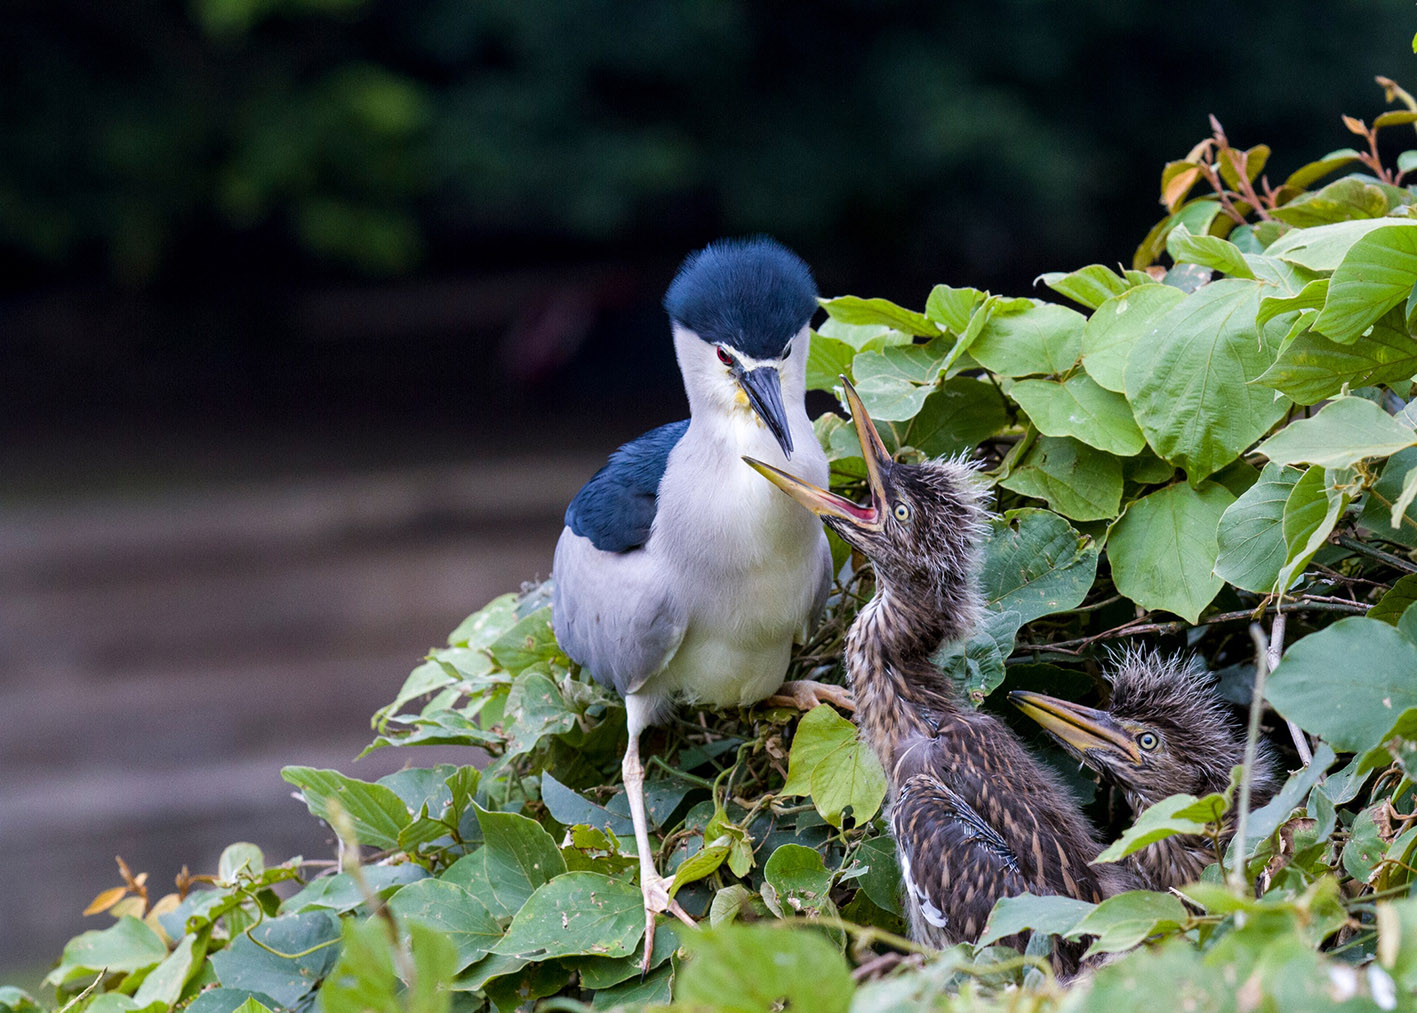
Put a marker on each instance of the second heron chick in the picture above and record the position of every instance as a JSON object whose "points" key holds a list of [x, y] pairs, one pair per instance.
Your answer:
{"points": [[1165, 731], [974, 814]]}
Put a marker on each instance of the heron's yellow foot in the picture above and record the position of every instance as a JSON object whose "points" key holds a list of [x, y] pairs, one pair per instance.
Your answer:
{"points": [[804, 694]]}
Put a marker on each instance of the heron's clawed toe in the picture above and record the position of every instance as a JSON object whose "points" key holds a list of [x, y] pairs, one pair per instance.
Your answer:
{"points": [[804, 694]]}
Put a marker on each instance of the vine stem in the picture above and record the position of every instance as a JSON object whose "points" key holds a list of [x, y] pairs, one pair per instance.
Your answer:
{"points": [[1252, 739], [1272, 656]]}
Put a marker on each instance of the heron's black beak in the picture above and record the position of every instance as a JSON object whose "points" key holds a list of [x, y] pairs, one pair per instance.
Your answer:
{"points": [[829, 504], [764, 390], [1083, 728]]}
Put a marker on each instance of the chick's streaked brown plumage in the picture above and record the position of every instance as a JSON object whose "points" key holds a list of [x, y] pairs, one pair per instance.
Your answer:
{"points": [[975, 816], [1165, 731]]}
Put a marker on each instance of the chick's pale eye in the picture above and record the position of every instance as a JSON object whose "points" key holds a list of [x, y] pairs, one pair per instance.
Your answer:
{"points": [[902, 512], [724, 357], [1148, 741]]}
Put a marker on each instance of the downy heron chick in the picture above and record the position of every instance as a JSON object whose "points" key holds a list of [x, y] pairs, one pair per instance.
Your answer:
{"points": [[1165, 731], [974, 814]]}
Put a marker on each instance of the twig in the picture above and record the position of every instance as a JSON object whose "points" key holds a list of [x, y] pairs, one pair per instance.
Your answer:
{"points": [[1252, 738], [1349, 542], [1304, 604], [1276, 649]]}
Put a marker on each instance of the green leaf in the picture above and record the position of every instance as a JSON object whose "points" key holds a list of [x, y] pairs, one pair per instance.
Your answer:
{"points": [[577, 913], [1177, 814], [1207, 251], [164, 985], [1376, 274], [304, 939], [1344, 432], [1163, 548], [850, 775], [1383, 498], [453, 912], [1080, 408], [1350, 706], [529, 641], [541, 710], [1118, 325], [520, 857], [894, 382], [953, 308], [1196, 215], [881, 880], [365, 981], [601, 973], [340, 893], [827, 360], [752, 968], [820, 732], [1049, 915], [1039, 338], [1396, 601], [1035, 564], [1123, 921], [488, 623], [231, 1000], [1189, 382], [377, 812], [1310, 297], [977, 666], [1324, 247], [1341, 201], [1091, 286], [800, 878], [1052, 469], [1301, 178], [570, 809], [127, 945], [850, 309], [17, 1000], [1365, 847], [1312, 367], [702, 863], [1251, 542], [955, 417], [1310, 513]]}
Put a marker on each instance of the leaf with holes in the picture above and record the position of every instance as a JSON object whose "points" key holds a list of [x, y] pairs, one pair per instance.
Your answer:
{"points": [[1035, 564]]}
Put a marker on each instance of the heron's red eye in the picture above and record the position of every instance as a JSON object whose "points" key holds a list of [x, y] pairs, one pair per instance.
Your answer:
{"points": [[724, 357]]}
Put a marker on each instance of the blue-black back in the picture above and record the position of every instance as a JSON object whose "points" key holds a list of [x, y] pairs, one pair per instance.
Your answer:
{"points": [[751, 294], [616, 507]]}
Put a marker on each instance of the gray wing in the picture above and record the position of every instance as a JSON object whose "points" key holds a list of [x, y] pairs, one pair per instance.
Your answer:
{"points": [[612, 613]]}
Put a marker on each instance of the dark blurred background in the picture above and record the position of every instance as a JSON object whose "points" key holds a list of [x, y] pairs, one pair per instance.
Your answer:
{"points": [[314, 313]]}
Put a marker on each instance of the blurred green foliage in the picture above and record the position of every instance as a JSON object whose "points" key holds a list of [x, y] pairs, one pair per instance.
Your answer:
{"points": [[378, 134]]}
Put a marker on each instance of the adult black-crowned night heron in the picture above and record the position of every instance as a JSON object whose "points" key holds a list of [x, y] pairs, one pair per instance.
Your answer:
{"points": [[1165, 731], [975, 816], [680, 576]]}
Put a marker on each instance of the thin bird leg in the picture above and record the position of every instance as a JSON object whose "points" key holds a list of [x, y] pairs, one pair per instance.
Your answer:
{"points": [[653, 887], [804, 694]]}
